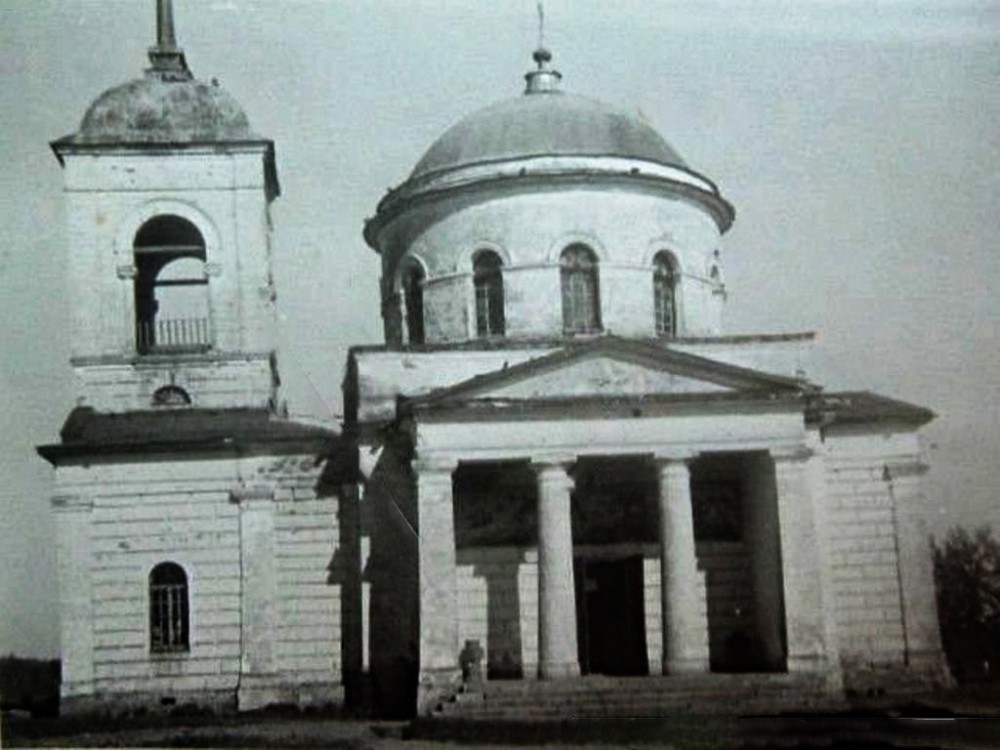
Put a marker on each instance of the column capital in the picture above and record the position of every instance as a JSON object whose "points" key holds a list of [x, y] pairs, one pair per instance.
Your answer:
{"points": [[666, 456], [791, 453], [434, 463], [252, 496], [551, 470]]}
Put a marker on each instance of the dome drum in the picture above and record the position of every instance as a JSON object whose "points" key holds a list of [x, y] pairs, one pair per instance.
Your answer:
{"points": [[528, 233]]}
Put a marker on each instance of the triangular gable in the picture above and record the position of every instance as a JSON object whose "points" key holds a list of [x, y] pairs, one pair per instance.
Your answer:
{"points": [[611, 366]]}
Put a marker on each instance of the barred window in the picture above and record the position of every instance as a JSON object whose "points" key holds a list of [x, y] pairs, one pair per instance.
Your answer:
{"points": [[664, 294], [168, 608], [580, 300], [413, 302], [488, 280]]}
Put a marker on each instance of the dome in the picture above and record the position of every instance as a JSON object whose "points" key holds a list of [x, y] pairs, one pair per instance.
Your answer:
{"points": [[545, 121], [158, 109]]}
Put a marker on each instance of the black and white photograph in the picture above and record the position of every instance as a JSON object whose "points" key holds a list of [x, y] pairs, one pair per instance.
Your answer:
{"points": [[438, 373]]}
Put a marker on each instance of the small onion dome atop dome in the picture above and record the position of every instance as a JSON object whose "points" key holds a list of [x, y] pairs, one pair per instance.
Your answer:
{"points": [[548, 136]]}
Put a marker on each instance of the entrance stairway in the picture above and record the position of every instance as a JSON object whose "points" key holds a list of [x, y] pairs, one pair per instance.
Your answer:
{"points": [[600, 697]]}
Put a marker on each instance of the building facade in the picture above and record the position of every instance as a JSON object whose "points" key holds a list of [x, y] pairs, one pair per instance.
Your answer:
{"points": [[557, 464], [196, 525]]}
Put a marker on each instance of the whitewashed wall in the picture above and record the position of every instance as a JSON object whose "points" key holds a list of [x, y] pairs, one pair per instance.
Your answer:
{"points": [[116, 521]]}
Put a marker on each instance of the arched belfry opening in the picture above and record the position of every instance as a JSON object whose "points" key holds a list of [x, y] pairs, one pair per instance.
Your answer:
{"points": [[171, 287]]}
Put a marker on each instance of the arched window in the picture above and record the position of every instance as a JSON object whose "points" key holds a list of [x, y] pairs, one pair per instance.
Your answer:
{"points": [[487, 276], [171, 290], [168, 608], [664, 294], [413, 301], [580, 301]]}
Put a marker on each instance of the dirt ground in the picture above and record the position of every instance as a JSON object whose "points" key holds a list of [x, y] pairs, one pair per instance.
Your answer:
{"points": [[966, 720]]}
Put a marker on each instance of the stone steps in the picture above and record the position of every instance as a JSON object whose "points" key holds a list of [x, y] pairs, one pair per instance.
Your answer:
{"points": [[608, 697]]}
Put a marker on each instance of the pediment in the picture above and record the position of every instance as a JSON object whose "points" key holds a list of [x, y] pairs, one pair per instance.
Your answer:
{"points": [[602, 376], [613, 367]]}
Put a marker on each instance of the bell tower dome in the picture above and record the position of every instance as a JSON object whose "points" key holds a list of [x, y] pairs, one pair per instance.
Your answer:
{"points": [[167, 192], [550, 215]]}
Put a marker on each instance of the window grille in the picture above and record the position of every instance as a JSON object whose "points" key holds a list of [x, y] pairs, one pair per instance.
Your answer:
{"points": [[488, 281], [168, 609], [580, 299], [664, 297]]}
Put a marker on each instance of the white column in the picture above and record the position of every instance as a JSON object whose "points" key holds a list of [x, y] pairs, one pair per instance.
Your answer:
{"points": [[558, 655], [259, 594], [685, 620], [801, 564], [73, 557], [439, 646]]}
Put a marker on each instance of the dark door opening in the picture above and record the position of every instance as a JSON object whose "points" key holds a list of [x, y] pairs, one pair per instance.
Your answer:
{"points": [[611, 623]]}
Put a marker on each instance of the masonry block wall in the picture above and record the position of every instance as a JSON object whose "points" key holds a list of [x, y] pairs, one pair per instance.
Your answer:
{"points": [[109, 197], [116, 521], [881, 560], [529, 231]]}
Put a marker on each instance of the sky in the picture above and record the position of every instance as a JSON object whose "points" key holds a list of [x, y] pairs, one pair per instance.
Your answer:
{"points": [[858, 141]]}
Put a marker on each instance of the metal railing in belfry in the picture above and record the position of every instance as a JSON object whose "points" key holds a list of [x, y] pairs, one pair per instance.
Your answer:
{"points": [[165, 336]]}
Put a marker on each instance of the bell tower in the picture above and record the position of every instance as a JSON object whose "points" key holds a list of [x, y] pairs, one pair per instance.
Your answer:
{"points": [[167, 193]]}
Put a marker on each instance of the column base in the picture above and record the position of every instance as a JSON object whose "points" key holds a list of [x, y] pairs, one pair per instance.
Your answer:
{"points": [[435, 686], [558, 670], [686, 666]]}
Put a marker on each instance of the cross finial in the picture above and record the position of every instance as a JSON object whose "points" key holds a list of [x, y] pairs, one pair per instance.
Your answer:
{"points": [[167, 58], [541, 25], [543, 80]]}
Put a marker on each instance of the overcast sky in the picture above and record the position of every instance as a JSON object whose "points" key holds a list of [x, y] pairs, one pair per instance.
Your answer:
{"points": [[858, 141]]}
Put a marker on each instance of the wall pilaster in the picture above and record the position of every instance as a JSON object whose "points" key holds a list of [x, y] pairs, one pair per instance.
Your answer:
{"points": [[259, 597], [439, 647], [924, 654], [73, 558], [802, 564]]}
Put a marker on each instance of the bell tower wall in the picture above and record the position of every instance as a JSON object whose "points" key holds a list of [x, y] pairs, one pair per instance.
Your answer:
{"points": [[210, 329]]}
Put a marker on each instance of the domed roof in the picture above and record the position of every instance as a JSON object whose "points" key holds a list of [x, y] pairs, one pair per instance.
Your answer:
{"points": [[158, 109], [545, 122]]}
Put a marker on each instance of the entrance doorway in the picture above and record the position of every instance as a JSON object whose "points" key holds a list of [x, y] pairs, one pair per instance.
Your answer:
{"points": [[611, 626]]}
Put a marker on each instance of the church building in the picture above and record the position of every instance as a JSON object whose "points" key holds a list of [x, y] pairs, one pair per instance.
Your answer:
{"points": [[557, 475]]}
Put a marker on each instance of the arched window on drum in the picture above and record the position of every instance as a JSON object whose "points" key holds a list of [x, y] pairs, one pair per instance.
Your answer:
{"points": [[412, 287], [580, 294], [665, 294], [487, 273]]}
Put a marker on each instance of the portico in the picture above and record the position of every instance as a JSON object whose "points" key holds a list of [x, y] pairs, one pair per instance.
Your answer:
{"points": [[652, 443]]}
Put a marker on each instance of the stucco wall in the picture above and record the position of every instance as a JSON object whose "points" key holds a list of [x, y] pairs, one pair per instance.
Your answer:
{"points": [[880, 559], [109, 197], [529, 230], [275, 618]]}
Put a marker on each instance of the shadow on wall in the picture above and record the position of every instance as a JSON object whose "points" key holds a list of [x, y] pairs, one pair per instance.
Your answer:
{"points": [[392, 573]]}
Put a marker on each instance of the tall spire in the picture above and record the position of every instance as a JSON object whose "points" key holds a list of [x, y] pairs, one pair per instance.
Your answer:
{"points": [[543, 80], [167, 58]]}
